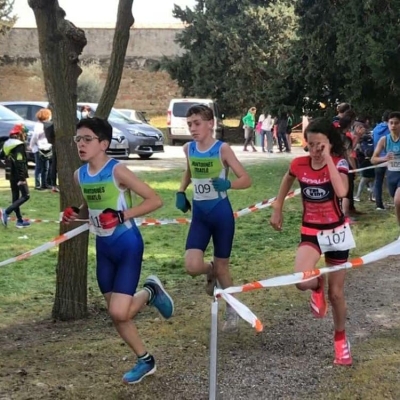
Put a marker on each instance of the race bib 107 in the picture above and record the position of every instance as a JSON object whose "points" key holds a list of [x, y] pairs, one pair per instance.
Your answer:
{"points": [[337, 239]]}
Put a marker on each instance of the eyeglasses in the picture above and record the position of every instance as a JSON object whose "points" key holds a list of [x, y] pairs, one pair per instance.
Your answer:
{"points": [[86, 138]]}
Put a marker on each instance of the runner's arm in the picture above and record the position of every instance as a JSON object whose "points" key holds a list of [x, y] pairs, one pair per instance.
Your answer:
{"points": [[127, 179], [286, 185], [376, 159], [340, 181], [187, 176], [229, 158]]}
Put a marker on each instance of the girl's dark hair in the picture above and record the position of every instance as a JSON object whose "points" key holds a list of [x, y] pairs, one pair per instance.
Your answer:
{"points": [[100, 127], [325, 127]]}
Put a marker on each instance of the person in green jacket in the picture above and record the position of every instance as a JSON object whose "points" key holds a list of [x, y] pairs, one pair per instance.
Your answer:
{"points": [[17, 173], [249, 123]]}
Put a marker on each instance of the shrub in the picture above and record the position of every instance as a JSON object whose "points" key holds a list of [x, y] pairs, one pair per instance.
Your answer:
{"points": [[90, 85]]}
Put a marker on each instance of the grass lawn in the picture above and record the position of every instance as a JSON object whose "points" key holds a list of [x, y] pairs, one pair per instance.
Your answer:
{"points": [[52, 360]]}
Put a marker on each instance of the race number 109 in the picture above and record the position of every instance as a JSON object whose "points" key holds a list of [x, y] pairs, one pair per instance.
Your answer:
{"points": [[202, 188]]}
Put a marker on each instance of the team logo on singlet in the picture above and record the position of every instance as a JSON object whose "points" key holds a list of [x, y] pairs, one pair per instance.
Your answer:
{"points": [[315, 193]]}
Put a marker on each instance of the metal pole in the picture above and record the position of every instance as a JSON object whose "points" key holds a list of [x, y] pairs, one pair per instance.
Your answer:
{"points": [[213, 351]]}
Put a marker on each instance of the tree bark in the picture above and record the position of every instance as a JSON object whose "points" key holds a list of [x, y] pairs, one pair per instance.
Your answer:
{"points": [[120, 43], [60, 45]]}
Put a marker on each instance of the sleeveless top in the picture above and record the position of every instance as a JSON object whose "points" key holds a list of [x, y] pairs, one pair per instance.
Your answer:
{"points": [[204, 166], [101, 191], [393, 147], [322, 208]]}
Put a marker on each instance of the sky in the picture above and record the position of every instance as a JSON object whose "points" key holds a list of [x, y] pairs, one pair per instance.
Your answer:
{"points": [[89, 13]]}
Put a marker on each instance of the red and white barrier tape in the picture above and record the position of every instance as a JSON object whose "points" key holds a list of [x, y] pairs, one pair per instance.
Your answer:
{"points": [[139, 222], [47, 246], [382, 165], [170, 221], [392, 249]]}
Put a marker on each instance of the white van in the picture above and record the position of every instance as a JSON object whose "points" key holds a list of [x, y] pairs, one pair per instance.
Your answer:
{"points": [[176, 119]]}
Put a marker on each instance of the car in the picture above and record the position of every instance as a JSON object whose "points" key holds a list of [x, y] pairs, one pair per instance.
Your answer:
{"points": [[138, 116], [7, 120], [119, 146], [176, 119], [144, 140]]}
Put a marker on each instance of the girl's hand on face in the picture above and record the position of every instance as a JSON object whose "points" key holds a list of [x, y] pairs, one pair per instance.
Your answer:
{"points": [[325, 150]]}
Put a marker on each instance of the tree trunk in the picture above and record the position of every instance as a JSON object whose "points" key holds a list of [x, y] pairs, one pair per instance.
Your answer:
{"points": [[60, 44], [120, 43]]}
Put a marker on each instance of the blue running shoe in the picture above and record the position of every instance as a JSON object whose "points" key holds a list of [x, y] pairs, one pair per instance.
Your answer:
{"points": [[3, 217], [162, 300], [139, 371], [22, 224]]}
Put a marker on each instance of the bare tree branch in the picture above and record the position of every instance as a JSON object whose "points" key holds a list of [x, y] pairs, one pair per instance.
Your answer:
{"points": [[120, 43]]}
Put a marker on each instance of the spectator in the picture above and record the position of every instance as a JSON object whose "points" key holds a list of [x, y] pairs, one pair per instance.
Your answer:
{"points": [[41, 149], [249, 123], [341, 109], [289, 131], [17, 174], [282, 132], [86, 112], [266, 131], [380, 131], [367, 176]]}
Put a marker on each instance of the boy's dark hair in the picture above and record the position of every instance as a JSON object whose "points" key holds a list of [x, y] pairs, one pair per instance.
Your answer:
{"points": [[394, 114], [204, 111], [324, 126], [100, 127], [385, 115], [343, 107]]}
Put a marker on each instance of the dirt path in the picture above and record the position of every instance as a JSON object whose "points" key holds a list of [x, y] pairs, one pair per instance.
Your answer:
{"points": [[291, 359]]}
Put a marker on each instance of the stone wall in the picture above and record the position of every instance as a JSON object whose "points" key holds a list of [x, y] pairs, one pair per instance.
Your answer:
{"points": [[145, 44], [140, 89]]}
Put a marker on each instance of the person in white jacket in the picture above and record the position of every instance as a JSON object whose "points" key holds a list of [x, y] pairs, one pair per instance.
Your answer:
{"points": [[267, 124], [41, 149]]}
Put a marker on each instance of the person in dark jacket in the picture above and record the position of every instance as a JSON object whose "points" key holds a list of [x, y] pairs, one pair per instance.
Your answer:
{"points": [[17, 173], [51, 138], [282, 131], [381, 130]]}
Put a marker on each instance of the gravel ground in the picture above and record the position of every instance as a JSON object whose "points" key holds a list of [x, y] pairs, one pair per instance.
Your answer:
{"points": [[291, 359], [294, 356]]}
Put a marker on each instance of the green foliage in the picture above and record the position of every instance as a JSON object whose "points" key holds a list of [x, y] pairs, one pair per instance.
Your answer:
{"points": [[231, 50], [6, 20], [90, 85], [291, 54], [368, 53], [344, 51]]}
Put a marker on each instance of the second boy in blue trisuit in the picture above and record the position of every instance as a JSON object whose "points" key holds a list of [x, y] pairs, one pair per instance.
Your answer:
{"points": [[208, 164], [390, 144]]}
